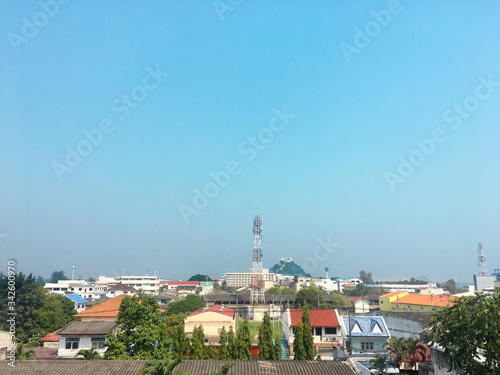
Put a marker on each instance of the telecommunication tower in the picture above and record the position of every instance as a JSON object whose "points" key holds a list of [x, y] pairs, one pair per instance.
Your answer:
{"points": [[257, 292], [483, 270]]}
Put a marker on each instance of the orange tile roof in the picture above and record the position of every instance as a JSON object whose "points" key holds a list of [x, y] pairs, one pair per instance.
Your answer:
{"points": [[228, 311], [438, 300], [319, 318], [109, 308], [391, 295], [106, 309]]}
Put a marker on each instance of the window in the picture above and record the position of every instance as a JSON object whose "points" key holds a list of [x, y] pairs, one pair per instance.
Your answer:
{"points": [[368, 345], [330, 331], [72, 342], [98, 342], [318, 331]]}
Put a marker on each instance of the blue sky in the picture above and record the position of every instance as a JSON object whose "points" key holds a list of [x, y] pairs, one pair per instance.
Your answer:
{"points": [[173, 91]]}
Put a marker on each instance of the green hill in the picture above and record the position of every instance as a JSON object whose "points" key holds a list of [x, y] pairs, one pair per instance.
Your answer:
{"points": [[288, 267]]}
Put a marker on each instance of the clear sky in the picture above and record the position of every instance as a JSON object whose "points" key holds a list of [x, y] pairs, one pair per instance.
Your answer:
{"points": [[149, 134]]}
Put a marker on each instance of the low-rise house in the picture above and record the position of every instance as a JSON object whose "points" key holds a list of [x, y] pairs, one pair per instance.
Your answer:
{"points": [[119, 289], [51, 341], [79, 301], [367, 334], [212, 318], [325, 324], [83, 335], [360, 304]]}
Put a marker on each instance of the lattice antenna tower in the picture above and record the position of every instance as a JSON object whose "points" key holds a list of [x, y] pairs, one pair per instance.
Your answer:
{"points": [[483, 270], [257, 292]]}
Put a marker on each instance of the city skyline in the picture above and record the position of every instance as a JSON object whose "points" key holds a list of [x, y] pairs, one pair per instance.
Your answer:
{"points": [[365, 134]]}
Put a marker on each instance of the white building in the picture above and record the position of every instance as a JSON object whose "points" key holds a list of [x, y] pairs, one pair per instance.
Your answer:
{"points": [[83, 335], [239, 279], [148, 284]]}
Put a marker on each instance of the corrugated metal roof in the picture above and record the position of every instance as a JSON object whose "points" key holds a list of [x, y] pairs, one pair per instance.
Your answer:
{"points": [[88, 328], [195, 367], [270, 367], [76, 298], [72, 366]]}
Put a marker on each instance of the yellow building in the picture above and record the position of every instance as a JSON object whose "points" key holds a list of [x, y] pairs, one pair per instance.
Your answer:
{"points": [[404, 301], [212, 319]]}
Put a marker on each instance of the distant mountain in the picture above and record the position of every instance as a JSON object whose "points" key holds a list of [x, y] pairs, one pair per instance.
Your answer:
{"points": [[288, 267]]}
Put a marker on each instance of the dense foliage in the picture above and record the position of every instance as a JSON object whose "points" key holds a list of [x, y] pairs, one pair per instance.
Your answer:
{"points": [[189, 305], [243, 341], [469, 333], [141, 334], [265, 340], [307, 334], [38, 312], [289, 268]]}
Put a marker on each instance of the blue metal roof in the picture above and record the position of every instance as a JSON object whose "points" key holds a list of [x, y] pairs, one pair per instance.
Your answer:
{"points": [[366, 325], [76, 298]]}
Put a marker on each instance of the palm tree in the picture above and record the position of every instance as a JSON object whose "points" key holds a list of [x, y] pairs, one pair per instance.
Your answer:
{"points": [[396, 348], [91, 353], [156, 367], [378, 363], [22, 354], [414, 347]]}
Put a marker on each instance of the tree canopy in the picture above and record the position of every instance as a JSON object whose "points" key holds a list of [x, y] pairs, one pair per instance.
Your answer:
{"points": [[307, 334], [365, 277], [312, 295], [266, 349], [38, 312], [469, 333], [56, 276], [189, 305], [141, 334], [200, 277]]}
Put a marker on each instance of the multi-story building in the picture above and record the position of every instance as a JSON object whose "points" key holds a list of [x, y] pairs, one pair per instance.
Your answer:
{"points": [[404, 301], [239, 279], [148, 284]]}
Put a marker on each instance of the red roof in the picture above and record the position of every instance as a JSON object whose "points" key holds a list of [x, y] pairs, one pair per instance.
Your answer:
{"points": [[355, 299], [228, 311], [106, 309], [319, 318], [52, 336]]}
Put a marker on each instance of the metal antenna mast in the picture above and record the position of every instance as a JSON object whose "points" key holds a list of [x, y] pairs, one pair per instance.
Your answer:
{"points": [[257, 293], [483, 270]]}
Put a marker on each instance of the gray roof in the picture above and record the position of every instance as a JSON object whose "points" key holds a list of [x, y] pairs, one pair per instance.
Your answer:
{"points": [[270, 367], [88, 328], [420, 317], [121, 287], [72, 366], [132, 367]]}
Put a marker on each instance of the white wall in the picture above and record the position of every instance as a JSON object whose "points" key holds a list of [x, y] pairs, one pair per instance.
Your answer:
{"points": [[85, 343]]}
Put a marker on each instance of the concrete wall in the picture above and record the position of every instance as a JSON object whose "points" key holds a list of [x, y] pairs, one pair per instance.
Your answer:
{"points": [[211, 321], [84, 343]]}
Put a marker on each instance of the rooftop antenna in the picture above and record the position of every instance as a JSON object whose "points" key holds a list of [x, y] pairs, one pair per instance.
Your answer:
{"points": [[257, 292], [483, 270]]}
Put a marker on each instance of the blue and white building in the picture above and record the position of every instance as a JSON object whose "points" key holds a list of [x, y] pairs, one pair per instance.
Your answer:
{"points": [[79, 302], [368, 334]]}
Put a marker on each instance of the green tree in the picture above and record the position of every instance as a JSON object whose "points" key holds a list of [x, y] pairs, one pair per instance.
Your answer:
{"points": [[276, 349], [265, 340], [466, 329], [180, 342], [189, 305], [337, 300], [452, 287], [366, 278], [56, 276], [415, 350], [212, 353], [198, 344], [298, 342], [23, 354], [199, 277], [378, 363], [91, 353], [243, 341], [311, 294], [396, 348], [277, 289], [38, 312], [223, 346], [156, 367], [231, 343], [307, 334], [141, 334]]}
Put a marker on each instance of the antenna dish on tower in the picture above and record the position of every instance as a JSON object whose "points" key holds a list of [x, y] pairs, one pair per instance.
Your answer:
{"points": [[483, 269]]}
